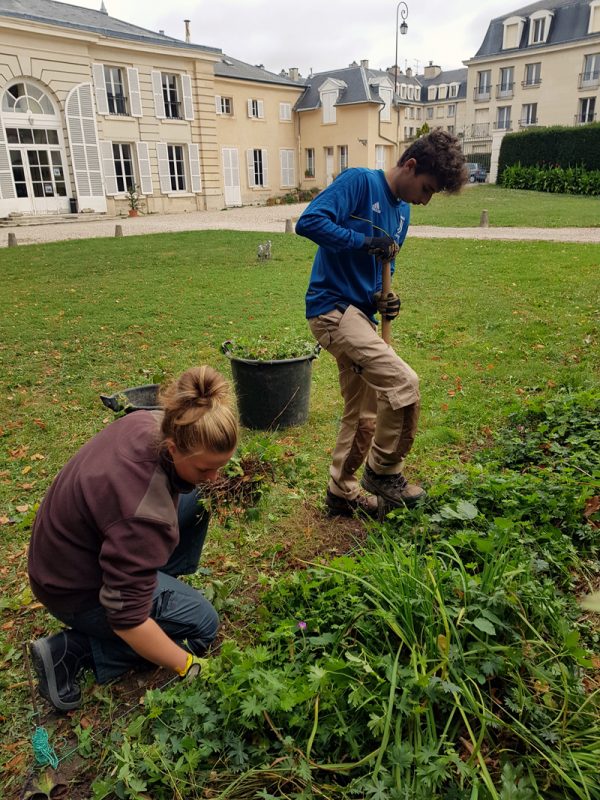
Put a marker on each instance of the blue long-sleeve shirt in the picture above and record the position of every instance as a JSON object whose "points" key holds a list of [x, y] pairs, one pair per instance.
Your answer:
{"points": [[342, 273]]}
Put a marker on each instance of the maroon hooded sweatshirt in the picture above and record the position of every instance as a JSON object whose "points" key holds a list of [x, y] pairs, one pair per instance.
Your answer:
{"points": [[108, 523]]}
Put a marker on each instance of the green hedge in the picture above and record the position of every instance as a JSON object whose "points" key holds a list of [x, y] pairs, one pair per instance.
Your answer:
{"points": [[557, 146], [570, 180]]}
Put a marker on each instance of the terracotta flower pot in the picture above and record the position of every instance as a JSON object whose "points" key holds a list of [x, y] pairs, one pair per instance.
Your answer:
{"points": [[133, 212]]}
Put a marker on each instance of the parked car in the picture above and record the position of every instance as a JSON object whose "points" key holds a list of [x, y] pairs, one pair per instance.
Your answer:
{"points": [[477, 174]]}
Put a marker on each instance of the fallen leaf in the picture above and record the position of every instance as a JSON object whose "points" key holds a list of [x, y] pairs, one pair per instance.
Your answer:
{"points": [[22, 509], [25, 470], [4, 520], [38, 457]]}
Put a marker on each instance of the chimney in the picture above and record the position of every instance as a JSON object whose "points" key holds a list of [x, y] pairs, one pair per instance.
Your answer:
{"points": [[409, 72], [431, 71], [294, 73], [364, 62], [188, 38], [162, 33]]}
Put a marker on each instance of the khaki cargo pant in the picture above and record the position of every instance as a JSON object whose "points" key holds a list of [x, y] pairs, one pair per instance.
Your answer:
{"points": [[381, 399]]}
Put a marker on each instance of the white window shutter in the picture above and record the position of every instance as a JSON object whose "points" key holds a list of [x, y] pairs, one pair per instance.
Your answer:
{"points": [[250, 161], [265, 168], [188, 102], [108, 167], [135, 97], [100, 86], [85, 153], [7, 186], [195, 177], [249, 108], [261, 109], [163, 167], [217, 103], [144, 168], [157, 91]]}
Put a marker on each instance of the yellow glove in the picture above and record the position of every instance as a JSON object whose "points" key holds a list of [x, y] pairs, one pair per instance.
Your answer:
{"points": [[193, 667]]}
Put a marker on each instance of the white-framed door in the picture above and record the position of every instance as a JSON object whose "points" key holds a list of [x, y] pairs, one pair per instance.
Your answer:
{"points": [[39, 176], [329, 165], [231, 176]]}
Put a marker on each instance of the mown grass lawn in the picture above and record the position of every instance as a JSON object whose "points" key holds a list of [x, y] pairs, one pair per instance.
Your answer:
{"points": [[485, 324], [509, 207]]}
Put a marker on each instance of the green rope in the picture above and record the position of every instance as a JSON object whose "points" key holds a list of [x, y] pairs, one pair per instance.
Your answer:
{"points": [[43, 751]]}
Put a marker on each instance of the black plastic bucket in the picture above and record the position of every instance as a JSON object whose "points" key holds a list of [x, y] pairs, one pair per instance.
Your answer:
{"points": [[136, 398], [272, 394]]}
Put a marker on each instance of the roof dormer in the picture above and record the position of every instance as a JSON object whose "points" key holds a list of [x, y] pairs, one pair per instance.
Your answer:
{"points": [[539, 26], [594, 23], [329, 92], [513, 30]]}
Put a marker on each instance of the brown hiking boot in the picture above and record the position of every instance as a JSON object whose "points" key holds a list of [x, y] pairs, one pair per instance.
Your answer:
{"points": [[393, 489], [340, 507]]}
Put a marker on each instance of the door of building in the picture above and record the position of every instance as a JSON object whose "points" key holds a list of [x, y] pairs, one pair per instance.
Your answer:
{"points": [[328, 165], [38, 171], [231, 177]]}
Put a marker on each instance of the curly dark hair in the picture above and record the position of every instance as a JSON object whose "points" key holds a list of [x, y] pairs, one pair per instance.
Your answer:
{"points": [[439, 154]]}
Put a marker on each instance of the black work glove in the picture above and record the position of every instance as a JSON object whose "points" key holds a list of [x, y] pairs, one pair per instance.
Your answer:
{"points": [[383, 248], [388, 307]]}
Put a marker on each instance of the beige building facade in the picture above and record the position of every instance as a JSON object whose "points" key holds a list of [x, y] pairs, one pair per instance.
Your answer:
{"points": [[538, 65], [85, 115]]}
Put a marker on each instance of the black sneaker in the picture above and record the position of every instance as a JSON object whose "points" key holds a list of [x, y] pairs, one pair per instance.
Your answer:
{"points": [[57, 660], [394, 489], [340, 507]]}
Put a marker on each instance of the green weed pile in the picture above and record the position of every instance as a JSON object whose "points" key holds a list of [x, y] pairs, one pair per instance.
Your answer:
{"points": [[449, 659]]}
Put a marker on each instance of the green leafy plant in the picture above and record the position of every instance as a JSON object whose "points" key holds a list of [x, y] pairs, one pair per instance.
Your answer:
{"points": [[263, 348]]}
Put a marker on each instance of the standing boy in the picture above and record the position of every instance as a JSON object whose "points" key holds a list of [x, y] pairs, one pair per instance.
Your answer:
{"points": [[359, 222]]}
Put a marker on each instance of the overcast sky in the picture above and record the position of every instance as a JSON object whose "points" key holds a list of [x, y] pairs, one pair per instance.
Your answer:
{"points": [[321, 34]]}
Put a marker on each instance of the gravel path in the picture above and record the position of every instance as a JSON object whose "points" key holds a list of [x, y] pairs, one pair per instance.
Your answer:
{"points": [[263, 218]]}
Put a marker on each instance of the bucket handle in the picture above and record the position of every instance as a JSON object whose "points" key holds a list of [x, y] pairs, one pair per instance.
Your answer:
{"points": [[227, 344]]}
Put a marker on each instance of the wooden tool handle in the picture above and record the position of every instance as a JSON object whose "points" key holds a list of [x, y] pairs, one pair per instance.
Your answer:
{"points": [[386, 288]]}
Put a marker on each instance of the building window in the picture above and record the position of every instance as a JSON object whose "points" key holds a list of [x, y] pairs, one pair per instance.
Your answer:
{"points": [[452, 110], [176, 167], [123, 166], [430, 113], [587, 110], [533, 73], [410, 113], [115, 90], [505, 87], [591, 71], [450, 129], [419, 111], [26, 98], [343, 157], [431, 92], [503, 118], [309, 172], [440, 112], [380, 156], [258, 167], [328, 100], [484, 85], [539, 27], [529, 114], [454, 90], [285, 112], [225, 106], [386, 112], [171, 94], [288, 172], [256, 109], [411, 93]]}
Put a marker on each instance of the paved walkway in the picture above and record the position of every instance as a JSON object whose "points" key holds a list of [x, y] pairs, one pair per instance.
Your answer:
{"points": [[270, 219]]}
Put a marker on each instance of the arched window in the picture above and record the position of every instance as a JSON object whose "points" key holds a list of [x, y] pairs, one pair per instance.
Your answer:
{"points": [[23, 98]]}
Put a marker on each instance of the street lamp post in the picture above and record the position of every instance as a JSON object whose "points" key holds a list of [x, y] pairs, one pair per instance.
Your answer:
{"points": [[401, 12]]}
